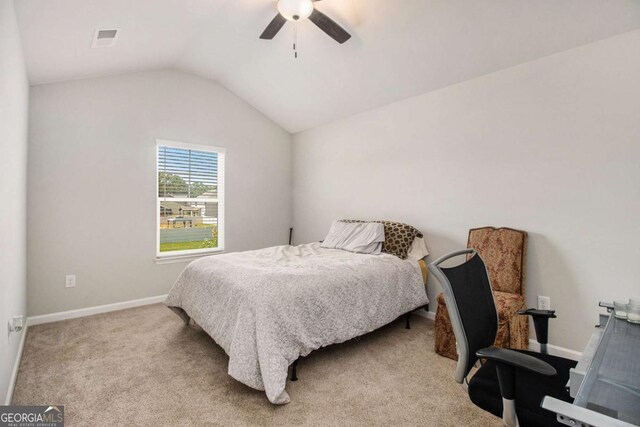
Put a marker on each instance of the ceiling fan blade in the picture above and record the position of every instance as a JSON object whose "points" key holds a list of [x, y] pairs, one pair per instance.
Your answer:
{"points": [[329, 26], [274, 26]]}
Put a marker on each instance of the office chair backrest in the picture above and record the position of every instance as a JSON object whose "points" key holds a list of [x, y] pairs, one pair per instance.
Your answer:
{"points": [[467, 291]]}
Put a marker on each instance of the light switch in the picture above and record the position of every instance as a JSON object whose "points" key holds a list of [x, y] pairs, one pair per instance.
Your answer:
{"points": [[70, 281]]}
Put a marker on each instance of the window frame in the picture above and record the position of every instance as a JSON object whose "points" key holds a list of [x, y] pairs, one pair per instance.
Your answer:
{"points": [[192, 253]]}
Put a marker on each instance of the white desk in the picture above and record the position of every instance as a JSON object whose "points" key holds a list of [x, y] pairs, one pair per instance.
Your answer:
{"points": [[606, 381]]}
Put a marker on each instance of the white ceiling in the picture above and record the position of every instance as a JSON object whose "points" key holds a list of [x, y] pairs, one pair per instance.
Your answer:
{"points": [[57, 35], [399, 48]]}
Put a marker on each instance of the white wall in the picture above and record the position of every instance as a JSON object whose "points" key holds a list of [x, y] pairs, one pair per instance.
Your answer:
{"points": [[93, 152], [550, 147], [14, 98]]}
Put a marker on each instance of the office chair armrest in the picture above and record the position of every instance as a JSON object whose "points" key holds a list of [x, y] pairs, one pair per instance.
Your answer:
{"points": [[517, 360], [533, 312], [541, 324], [507, 361]]}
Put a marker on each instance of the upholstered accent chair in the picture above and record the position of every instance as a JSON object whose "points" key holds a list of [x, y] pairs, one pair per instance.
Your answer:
{"points": [[504, 251]]}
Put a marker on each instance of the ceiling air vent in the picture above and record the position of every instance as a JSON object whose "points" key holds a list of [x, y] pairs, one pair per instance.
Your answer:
{"points": [[105, 37]]}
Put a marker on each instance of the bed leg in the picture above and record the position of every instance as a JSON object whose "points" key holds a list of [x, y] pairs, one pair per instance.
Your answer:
{"points": [[294, 371], [408, 324]]}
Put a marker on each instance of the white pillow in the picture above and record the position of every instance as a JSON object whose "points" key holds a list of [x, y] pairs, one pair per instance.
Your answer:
{"points": [[359, 237], [418, 249]]}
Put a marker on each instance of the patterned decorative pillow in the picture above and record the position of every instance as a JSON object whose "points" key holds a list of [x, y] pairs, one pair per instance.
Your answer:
{"points": [[398, 237]]}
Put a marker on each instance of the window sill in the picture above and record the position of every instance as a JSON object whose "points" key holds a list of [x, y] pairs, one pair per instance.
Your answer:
{"points": [[170, 259]]}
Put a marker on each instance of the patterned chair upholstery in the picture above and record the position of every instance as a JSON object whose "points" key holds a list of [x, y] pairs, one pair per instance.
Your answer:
{"points": [[504, 251]]}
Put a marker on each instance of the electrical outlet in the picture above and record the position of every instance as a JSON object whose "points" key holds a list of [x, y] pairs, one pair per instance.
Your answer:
{"points": [[70, 281], [16, 324], [544, 303]]}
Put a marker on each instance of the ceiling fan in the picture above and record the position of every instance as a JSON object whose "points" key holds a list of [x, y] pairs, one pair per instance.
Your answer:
{"points": [[299, 10]]}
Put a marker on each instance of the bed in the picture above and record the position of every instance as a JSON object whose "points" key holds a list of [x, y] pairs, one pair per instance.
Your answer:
{"points": [[268, 307]]}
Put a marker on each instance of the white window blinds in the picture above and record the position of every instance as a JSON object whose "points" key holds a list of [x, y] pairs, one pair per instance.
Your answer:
{"points": [[190, 208]]}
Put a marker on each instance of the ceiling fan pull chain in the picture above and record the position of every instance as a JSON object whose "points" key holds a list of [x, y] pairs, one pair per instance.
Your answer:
{"points": [[295, 39]]}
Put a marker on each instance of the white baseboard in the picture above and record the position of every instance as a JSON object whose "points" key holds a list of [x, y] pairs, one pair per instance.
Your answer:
{"points": [[426, 314], [71, 314], [16, 366], [556, 350], [533, 344], [89, 311]]}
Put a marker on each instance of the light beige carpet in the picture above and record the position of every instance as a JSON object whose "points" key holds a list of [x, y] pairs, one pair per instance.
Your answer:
{"points": [[144, 367]]}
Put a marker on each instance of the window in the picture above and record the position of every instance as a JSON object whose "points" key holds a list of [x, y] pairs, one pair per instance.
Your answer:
{"points": [[190, 209]]}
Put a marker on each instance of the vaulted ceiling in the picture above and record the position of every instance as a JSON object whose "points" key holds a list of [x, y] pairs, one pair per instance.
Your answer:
{"points": [[399, 48]]}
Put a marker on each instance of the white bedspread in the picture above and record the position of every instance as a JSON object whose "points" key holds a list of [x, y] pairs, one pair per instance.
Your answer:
{"points": [[267, 307]]}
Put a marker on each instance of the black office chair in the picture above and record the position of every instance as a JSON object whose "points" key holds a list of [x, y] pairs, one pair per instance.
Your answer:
{"points": [[510, 383]]}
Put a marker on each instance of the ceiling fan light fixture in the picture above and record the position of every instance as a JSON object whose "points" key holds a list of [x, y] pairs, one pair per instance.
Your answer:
{"points": [[295, 10]]}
